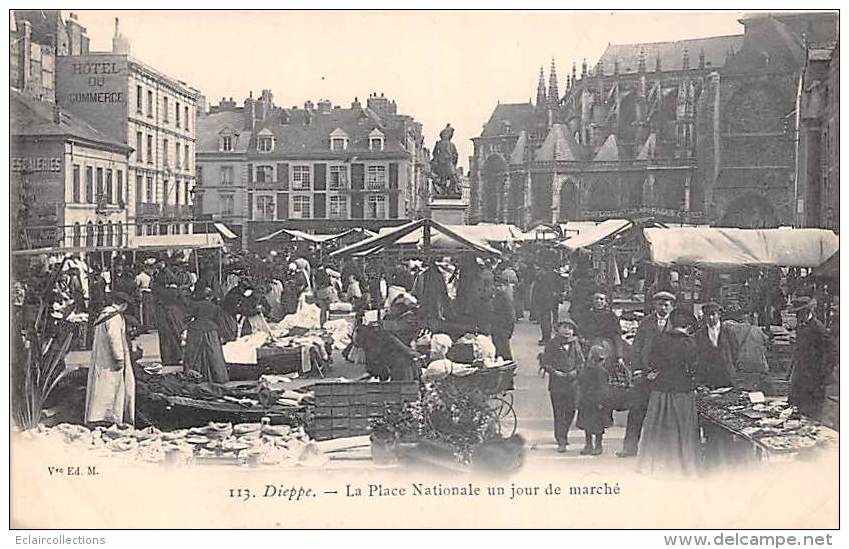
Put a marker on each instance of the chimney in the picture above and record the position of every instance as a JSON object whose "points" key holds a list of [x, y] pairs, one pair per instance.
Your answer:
{"points": [[249, 112], [120, 44], [325, 106], [26, 53], [356, 103], [308, 105]]}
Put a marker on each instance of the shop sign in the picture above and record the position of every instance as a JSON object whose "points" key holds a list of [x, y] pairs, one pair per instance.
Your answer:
{"points": [[35, 164]]}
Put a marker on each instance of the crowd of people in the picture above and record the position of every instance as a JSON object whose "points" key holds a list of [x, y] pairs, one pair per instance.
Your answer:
{"points": [[198, 303]]}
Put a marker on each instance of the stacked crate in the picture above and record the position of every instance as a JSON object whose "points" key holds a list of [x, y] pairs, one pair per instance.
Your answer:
{"points": [[344, 409]]}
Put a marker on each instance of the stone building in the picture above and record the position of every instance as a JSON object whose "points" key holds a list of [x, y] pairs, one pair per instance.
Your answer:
{"points": [[68, 184], [153, 113], [697, 131], [36, 39], [318, 167], [818, 176]]}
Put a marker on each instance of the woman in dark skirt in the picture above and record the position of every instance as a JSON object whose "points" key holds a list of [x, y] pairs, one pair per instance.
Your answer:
{"points": [[203, 345], [170, 316], [592, 415], [670, 438]]}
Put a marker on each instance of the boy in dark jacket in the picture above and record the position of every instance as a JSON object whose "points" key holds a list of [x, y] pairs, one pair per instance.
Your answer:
{"points": [[562, 359]]}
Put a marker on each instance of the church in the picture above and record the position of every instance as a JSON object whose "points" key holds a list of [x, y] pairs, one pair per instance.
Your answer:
{"points": [[699, 131]]}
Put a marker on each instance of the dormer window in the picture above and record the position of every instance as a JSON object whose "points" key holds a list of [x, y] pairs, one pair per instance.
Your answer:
{"points": [[375, 140], [338, 140], [265, 141], [227, 140]]}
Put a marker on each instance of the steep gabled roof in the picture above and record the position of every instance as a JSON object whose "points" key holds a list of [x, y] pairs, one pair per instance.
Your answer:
{"points": [[647, 151], [36, 118], [559, 145], [609, 151], [518, 116], [671, 54], [518, 154]]}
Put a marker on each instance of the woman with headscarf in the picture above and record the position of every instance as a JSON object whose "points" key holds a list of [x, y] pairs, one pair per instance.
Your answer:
{"points": [[203, 352]]}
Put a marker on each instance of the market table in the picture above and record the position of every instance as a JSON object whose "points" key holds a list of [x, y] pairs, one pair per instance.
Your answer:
{"points": [[737, 432]]}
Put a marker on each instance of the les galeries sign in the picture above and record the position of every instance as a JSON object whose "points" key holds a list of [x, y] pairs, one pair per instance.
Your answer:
{"points": [[35, 164]]}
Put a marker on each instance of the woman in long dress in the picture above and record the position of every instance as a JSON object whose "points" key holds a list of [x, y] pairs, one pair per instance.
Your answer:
{"points": [[170, 316], [670, 438], [203, 352]]}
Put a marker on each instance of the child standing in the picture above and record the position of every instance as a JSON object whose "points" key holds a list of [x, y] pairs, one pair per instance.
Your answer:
{"points": [[592, 381], [562, 359]]}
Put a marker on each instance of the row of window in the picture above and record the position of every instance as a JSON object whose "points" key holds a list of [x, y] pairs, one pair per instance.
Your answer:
{"points": [[300, 207], [101, 186], [266, 143], [166, 109], [99, 235], [147, 191], [182, 153], [375, 177]]}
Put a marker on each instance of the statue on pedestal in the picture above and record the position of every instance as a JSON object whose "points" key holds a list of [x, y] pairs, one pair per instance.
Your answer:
{"points": [[444, 180]]}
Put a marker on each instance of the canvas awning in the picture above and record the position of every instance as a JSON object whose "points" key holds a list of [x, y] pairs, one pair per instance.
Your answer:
{"points": [[176, 241], [295, 234], [829, 269], [225, 231], [720, 247], [411, 235], [587, 236]]}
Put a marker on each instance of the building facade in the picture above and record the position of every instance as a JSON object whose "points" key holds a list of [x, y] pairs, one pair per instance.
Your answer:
{"points": [[155, 115], [818, 152], [318, 167], [68, 180], [37, 38], [696, 131]]}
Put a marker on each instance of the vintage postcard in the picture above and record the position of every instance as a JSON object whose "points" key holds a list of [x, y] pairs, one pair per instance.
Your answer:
{"points": [[424, 269]]}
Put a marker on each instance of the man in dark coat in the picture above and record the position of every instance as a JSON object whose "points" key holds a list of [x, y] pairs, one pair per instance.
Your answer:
{"points": [[813, 360], [546, 300], [600, 324], [716, 350], [563, 360], [503, 317], [665, 319]]}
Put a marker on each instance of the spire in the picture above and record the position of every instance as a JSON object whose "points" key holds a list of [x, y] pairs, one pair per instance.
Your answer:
{"points": [[541, 101], [641, 61], [599, 68], [574, 72], [553, 92], [685, 61], [584, 69], [702, 58]]}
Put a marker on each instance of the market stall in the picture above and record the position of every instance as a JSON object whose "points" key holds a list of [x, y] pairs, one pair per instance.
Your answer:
{"points": [[742, 428]]}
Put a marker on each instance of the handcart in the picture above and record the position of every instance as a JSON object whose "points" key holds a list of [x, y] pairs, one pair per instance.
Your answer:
{"points": [[496, 384]]}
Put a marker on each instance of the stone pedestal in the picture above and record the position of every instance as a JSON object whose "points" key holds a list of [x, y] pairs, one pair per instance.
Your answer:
{"points": [[448, 211]]}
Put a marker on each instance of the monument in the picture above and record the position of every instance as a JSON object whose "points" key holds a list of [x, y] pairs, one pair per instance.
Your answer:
{"points": [[446, 199]]}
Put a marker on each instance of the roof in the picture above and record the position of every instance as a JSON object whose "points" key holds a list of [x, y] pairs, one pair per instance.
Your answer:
{"points": [[609, 151], [36, 118], [720, 247], [671, 54], [518, 116], [518, 154], [210, 126], [592, 235], [559, 145], [294, 234], [647, 151], [308, 131], [412, 235]]}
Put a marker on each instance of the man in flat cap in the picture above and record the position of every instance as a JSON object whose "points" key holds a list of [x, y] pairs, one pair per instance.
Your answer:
{"points": [[716, 349], [665, 319], [813, 359]]}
